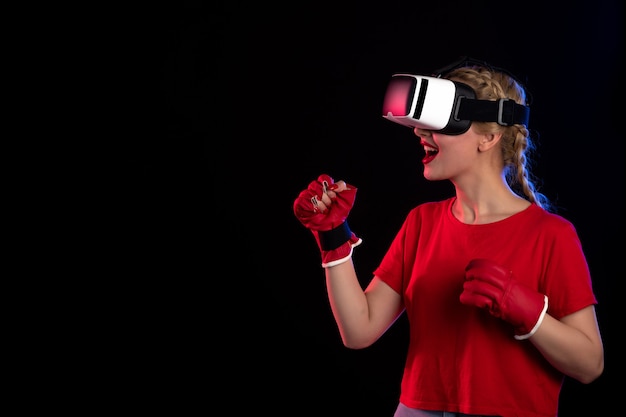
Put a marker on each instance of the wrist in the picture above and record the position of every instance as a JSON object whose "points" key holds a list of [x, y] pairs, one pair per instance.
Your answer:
{"points": [[342, 254], [332, 239], [537, 323]]}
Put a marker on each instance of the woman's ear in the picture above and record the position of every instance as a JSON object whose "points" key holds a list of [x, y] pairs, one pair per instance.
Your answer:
{"points": [[488, 141]]}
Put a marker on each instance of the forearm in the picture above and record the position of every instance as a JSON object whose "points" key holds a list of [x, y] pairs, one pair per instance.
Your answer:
{"points": [[350, 307], [569, 349]]}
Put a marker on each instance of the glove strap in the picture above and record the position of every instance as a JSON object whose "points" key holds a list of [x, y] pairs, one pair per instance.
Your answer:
{"points": [[334, 238], [539, 321]]}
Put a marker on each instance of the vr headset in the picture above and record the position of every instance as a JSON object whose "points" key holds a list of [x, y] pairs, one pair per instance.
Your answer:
{"points": [[445, 106]]}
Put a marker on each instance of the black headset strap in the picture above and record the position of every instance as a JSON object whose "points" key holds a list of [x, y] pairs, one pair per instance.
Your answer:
{"points": [[466, 61], [504, 111], [463, 61]]}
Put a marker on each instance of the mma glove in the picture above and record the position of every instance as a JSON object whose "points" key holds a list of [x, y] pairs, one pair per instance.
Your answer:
{"points": [[324, 212], [492, 287]]}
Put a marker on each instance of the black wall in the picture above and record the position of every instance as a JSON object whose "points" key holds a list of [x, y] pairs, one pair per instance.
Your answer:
{"points": [[248, 103]]}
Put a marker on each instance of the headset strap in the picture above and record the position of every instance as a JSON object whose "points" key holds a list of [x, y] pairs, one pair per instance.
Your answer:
{"points": [[505, 112]]}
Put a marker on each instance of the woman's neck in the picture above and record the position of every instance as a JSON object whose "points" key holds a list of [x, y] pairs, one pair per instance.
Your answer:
{"points": [[487, 204]]}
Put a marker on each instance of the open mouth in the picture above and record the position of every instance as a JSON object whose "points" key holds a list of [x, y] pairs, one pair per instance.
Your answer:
{"points": [[431, 152]]}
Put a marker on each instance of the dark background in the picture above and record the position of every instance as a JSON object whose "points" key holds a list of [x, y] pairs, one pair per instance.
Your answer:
{"points": [[237, 107]]}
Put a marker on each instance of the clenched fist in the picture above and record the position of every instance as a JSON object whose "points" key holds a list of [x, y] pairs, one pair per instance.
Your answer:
{"points": [[492, 287], [323, 208]]}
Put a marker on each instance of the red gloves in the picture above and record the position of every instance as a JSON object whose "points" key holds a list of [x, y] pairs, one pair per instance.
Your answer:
{"points": [[491, 286], [323, 209]]}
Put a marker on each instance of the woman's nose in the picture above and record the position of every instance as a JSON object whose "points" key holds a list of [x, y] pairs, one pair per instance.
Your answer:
{"points": [[421, 132]]}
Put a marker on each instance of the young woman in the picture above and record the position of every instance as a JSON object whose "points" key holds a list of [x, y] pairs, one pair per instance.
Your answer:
{"points": [[495, 285]]}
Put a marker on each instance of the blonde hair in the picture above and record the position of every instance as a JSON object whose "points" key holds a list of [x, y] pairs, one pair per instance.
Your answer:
{"points": [[517, 146]]}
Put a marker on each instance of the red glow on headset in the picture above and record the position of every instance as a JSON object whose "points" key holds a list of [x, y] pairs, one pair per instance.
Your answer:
{"points": [[396, 100]]}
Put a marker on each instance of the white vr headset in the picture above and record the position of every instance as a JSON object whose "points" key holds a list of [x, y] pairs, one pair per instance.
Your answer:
{"points": [[445, 106]]}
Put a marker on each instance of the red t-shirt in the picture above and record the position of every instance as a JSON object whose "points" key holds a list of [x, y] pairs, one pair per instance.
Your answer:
{"points": [[460, 358]]}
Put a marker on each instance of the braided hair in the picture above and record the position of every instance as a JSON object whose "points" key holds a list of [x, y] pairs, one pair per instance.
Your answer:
{"points": [[517, 145]]}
